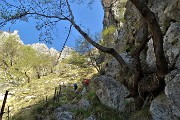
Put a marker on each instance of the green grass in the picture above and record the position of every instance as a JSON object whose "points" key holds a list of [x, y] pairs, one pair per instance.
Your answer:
{"points": [[35, 107], [142, 114]]}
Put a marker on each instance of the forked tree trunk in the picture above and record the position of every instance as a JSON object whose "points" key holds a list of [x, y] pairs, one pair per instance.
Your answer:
{"points": [[161, 63]]}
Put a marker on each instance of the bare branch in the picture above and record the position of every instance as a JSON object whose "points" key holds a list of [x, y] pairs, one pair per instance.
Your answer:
{"points": [[98, 46], [70, 11], [65, 42]]}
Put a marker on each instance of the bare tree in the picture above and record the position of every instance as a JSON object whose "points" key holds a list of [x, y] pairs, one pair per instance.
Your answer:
{"points": [[86, 49], [49, 14]]}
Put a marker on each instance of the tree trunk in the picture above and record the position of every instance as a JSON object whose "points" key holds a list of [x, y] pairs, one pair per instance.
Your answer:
{"points": [[137, 62], [27, 77], [3, 105], [161, 63], [38, 75], [101, 48]]}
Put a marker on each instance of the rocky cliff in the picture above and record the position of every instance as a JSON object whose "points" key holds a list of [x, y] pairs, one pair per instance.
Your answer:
{"points": [[42, 48], [129, 24]]}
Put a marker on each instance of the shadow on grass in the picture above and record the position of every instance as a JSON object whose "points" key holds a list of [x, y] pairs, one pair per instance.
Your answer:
{"points": [[47, 109]]}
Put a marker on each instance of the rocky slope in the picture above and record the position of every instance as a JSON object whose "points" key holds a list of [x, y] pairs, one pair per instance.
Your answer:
{"points": [[166, 106], [42, 48]]}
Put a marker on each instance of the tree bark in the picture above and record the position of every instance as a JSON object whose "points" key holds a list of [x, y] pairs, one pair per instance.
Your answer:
{"points": [[98, 46], [27, 77], [156, 82], [137, 62], [161, 63]]}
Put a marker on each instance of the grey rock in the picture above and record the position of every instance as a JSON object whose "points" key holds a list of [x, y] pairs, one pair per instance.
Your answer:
{"points": [[171, 48], [172, 44], [150, 58], [161, 108], [65, 116], [178, 62], [67, 51], [158, 7], [40, 47], [111, 16], [66, 107], [91, 118], [172, 91], [110, 92], [171, 75], [84, 103], [172, 10], [113, 67]]}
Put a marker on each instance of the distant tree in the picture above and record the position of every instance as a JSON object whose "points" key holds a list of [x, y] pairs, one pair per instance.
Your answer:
{"points": [[50, 13], [26, 60], [76, 59], [92, 54], [52, 63], [9, 49], [41, 65]]}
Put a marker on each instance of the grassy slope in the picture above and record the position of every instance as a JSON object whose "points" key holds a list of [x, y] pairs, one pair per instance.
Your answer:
{"points": [[37, 108], [30, 97]]}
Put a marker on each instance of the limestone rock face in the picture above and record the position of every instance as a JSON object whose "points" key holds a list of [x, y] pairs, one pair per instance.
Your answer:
{"points": [[110, 92], [172, 44], [172, 10], [171, 48], [171, 75], [42, 48], [150, 58], [66, 52], [165, 106], [112, 68], [113, 11], [172, 91], [158, 7]]}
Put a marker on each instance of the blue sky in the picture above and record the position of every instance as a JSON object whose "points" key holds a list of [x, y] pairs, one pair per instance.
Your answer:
{"points": [[88, 19]]}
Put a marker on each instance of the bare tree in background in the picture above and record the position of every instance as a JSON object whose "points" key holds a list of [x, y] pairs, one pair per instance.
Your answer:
{"points": [[85, 48]]}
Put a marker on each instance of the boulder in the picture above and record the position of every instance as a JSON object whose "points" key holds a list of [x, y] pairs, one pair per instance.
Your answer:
{"points": [[65, 116], [66, 107], [161, 108], [113, 67], [111, 93], [84, 104], [91, 118], [172, 91], [167, 106]]}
